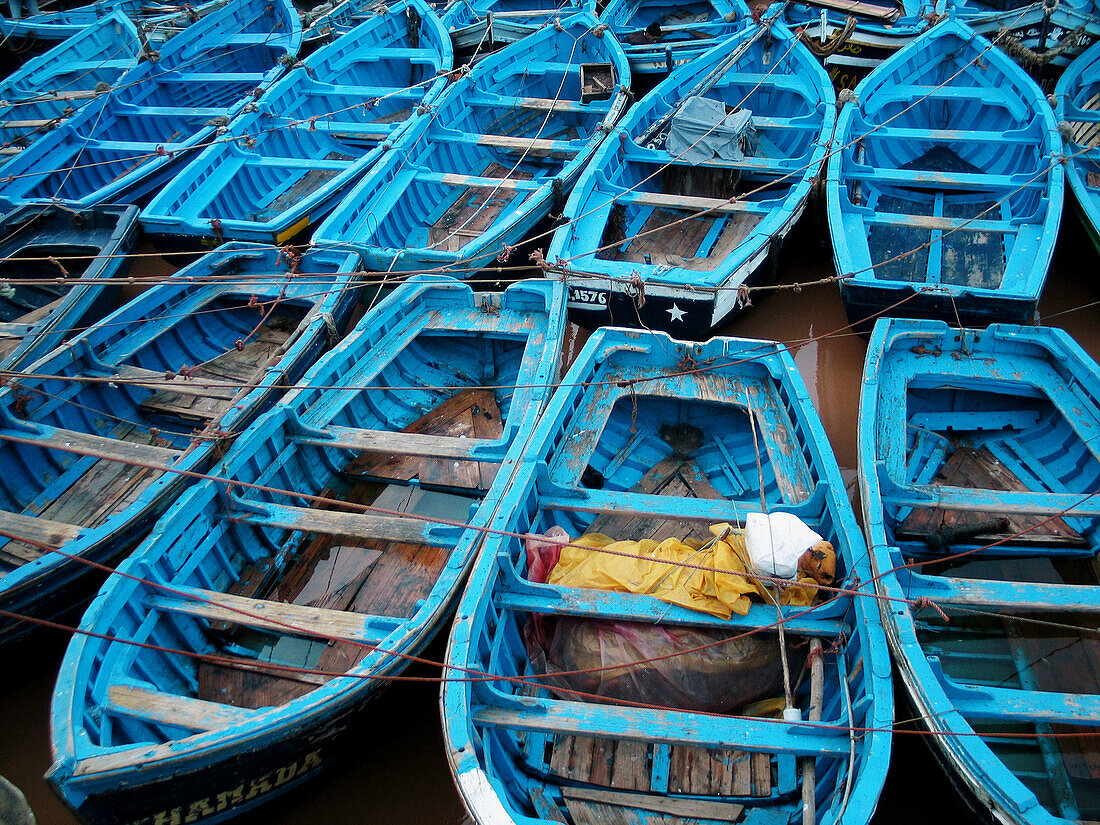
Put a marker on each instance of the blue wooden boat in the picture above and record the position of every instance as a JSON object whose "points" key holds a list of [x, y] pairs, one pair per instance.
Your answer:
{"points": [[852, 37], [676, 212], [409, 420], [47, 89], [945, 196], [1037, 36], [979, 466], [101, 428], [657, 36], [651, 438], [482, 26], [1077, 109], [26, 19], [282, 167], [57, 267], [500, 151], [122, 145]]}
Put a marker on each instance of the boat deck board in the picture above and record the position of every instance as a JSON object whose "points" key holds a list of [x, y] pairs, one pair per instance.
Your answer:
{"points": [[672, 239], [335, 572], [618, 777], [474, 211], [241, 367], [468, 414], [979, 469], [105, 488], [674, 476], [304, 186]]}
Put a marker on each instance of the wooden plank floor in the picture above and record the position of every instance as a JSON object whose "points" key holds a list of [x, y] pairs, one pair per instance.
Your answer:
{"points": [[679, 476], [370, 577], [105, 488], [474, 211], [669, 238], [611, 779], [978, 469], [242, 367], [470, 413]]}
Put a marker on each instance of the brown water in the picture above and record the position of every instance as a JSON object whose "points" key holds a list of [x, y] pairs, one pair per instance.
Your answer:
{"points": [[400, 775]]}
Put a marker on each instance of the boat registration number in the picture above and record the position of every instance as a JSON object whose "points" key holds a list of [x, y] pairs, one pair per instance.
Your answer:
{"points": [[580, 298]]}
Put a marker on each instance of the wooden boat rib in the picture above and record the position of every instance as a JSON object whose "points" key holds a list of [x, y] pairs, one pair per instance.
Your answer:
{"points": [[689, 231], [119, 392], [979, 470], [945, 195], [635, 445], [46, 89], [283, 167], [657, 36], [502, 147], [122, 145], [265, 576], [43, 242], [1078, 112]]}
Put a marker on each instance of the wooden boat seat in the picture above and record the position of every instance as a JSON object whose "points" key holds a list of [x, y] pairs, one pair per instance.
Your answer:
{"points": [[215, 78], [935, 222], [522, 596], [338, 523], [466, 417], [173, 709], [29, 124], [275, 616], [510, 143], [590, 806], [688, 202], [475, 182], [202, 387], [102, 446], [33, 529], [401, 53], [558, 717], [298, 163], [758, 164], [168, 111], [862, 9], [984, 95], [944, 180], [540, 104], [73, 94], [1014, 706], [1026, 136], [138, 147], [402, 443], [249, 39], [1000, 501], [1037, 597]]}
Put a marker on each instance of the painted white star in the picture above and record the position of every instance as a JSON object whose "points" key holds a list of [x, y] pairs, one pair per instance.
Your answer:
{"points": [[676, 313]]}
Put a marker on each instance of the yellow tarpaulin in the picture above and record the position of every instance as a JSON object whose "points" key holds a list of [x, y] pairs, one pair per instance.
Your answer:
{"points": [[720, 589]]}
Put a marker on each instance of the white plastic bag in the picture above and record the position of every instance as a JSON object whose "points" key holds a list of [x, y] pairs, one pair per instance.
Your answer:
{"points": [[775, 542]]}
